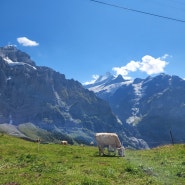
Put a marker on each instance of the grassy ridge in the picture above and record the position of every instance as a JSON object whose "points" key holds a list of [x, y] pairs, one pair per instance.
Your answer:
{"points": [[23, 163]]}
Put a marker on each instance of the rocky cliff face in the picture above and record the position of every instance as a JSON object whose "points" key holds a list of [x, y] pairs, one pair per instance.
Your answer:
{"points": [[44, 98], [149, 108], [162, 109]]}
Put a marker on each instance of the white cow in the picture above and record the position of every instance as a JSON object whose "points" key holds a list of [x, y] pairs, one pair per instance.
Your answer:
{"points": [[64, 142], [109, 140]]}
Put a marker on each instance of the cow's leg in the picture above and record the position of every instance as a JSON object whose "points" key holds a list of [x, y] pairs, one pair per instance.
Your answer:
{"points": [[109, 149], [101, 150], [114, 150]]}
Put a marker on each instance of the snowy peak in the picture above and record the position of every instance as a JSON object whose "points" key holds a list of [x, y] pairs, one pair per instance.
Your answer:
{"points": [[12, 56], [103, 79], [107, 84], [118, 79]]}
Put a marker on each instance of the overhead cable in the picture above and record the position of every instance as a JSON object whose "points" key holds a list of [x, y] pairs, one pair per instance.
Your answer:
{"points": [[138, 11]]}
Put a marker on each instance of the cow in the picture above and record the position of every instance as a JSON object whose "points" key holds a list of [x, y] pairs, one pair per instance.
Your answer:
{"points": [[64, 142], [111, 141], [38, 140]]}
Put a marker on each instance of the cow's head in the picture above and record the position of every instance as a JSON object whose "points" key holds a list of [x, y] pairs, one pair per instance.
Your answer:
{"points": [[121, 151]]}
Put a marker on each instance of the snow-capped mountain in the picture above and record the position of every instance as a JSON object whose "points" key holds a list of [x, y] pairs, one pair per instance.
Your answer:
{"points": [[36, 101], [149, 108], [107, 84], [13, 56]]}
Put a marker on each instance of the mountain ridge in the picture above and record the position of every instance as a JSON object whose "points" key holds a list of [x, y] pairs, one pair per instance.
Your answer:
{"points": [[39, 96], [150, 108]]}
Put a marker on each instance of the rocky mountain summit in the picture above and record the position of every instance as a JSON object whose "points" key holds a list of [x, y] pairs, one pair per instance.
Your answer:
{"points": [[151, 108], [40, 102]]}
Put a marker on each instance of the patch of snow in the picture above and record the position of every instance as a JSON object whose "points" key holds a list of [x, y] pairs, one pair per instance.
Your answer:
{"points": [[9, 78], [109, 88], [106, 77], [133, 120], [11, 63], [119, 121], [138, 89], [135, 110]]}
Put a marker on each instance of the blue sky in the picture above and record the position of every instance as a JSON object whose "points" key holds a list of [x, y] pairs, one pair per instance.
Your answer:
{"points": [[83, 39]]}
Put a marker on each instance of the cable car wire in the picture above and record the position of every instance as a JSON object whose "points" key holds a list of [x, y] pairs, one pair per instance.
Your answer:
{"points": [[138, 11]]}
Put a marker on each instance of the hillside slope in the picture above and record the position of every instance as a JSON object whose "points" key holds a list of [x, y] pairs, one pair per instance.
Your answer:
{"points": [[34, 163]]}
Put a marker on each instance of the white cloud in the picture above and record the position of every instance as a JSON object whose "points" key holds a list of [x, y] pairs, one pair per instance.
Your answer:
{"points": [[132, 66], [120, 71], [151, 65], [148, 64], [26, 42], [165, 56], [95, 77]]}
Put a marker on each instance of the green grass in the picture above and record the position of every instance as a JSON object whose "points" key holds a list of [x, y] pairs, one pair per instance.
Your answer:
{"points": [[23, 162], [166, 163]]}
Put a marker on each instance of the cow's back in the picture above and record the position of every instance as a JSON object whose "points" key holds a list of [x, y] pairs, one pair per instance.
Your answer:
{"points": [[105, 139]]}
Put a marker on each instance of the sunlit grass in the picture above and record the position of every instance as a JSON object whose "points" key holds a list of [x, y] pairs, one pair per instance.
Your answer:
{"points": [[166, 163], [23, 162]]}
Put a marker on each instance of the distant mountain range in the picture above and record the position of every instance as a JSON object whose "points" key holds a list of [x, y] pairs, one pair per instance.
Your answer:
{"points": [[152, 109], [39, 102]]}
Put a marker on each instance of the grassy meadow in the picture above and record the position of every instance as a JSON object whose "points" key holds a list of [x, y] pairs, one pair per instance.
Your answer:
{"points": [[23, 162]]}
